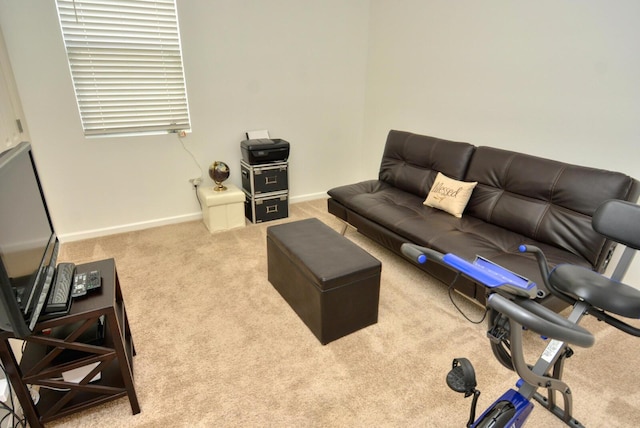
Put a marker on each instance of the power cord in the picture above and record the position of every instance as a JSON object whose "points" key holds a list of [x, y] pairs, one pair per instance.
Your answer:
{"points": [[195, 189], [455, 305], [55, 389], [195, 182]]}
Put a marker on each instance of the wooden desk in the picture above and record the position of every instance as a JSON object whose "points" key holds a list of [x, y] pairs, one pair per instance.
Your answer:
{"points": [[42, 363]]}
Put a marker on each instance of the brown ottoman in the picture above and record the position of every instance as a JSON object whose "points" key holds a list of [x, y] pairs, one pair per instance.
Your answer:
{"points": [[331, 283]]}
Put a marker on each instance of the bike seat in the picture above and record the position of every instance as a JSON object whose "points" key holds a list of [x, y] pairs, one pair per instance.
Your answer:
{"points": [[580, 283]]}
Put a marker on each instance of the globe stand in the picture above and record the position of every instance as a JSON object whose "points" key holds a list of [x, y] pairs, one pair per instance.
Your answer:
{"points": [[219, 187]]}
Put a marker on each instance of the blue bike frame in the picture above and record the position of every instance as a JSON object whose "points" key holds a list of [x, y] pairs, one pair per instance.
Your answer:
{"points": [[511, 296]]}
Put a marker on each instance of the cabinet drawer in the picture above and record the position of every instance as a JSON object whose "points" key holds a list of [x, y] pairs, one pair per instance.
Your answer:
{"points": [[266, 208], [259, 179]]}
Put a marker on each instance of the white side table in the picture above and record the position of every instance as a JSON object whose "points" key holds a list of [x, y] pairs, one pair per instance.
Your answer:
{"points": [[222, 210]]}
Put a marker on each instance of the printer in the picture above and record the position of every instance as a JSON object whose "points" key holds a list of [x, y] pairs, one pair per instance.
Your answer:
{"points": [[264, 150]]}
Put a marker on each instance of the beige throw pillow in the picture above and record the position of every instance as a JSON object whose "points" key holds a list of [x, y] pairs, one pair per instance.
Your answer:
{"points": [[449, 195]]}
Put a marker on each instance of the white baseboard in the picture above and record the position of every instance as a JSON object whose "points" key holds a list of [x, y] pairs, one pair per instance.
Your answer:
{"points": [[95, 233], [308, 197]]}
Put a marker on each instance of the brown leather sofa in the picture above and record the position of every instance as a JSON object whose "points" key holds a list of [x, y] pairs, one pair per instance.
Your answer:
{"points": [[519, 199]]}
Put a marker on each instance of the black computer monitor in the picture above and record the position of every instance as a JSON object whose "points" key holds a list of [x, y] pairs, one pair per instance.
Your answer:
{"points": [[28, 242]]}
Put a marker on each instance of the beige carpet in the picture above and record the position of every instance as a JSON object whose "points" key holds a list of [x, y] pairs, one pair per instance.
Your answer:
{"points": [[218, 347]]}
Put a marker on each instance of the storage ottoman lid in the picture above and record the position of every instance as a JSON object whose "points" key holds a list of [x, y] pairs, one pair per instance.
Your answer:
{"points": [[324, 255]]}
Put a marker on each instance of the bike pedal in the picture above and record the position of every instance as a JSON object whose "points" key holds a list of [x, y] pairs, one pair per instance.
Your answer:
{"points": [[462, 377]]}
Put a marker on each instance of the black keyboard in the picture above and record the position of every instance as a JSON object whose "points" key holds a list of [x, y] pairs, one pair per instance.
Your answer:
{"points": [[60, 294]]}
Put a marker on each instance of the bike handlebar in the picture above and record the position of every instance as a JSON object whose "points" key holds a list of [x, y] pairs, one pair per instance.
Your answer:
{"points": [[414, 253], [420, 254], [540, 319], [543, 265], [524, 311]]}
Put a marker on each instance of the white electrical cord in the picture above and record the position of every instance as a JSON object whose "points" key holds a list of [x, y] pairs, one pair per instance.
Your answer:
{"points": [[194, 181]]}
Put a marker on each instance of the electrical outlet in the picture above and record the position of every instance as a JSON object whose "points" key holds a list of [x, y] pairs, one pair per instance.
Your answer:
{"points": [[196, 181]]}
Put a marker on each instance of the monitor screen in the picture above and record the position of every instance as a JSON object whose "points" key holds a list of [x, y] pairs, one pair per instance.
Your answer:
{"points": [[27, 239]]}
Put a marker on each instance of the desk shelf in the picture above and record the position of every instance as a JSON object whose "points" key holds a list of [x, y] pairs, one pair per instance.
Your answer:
{"points": [[46, 356]]}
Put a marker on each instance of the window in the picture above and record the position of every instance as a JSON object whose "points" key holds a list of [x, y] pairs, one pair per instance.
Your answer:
{"points": [[126, 65]]}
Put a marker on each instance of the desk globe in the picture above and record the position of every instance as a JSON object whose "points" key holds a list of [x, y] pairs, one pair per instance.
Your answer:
{"points": [[219, 172]]}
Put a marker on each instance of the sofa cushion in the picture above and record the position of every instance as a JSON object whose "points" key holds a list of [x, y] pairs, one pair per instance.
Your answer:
{"points": [[544, 200], [449, 195], [348, 195], [410, 162]]}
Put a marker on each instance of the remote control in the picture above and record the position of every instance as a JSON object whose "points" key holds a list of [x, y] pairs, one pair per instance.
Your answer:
{"points": [[93, 280], [84, 282]]}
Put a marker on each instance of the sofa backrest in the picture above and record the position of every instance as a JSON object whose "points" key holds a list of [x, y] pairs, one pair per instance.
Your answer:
{"points": [[545, 200], [410, 161]]}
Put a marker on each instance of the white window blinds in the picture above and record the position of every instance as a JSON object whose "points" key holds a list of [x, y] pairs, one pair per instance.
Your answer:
{"points": [[126, 65]]}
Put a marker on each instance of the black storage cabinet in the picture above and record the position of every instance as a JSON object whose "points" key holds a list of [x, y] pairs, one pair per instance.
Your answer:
{"points": [[265, 179]]}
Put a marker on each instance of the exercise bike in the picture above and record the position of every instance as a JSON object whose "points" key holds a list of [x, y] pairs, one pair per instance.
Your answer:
{"points": [[512, 307]]}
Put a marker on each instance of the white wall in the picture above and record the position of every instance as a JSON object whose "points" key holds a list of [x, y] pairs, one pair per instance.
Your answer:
{"points": [[553, 78], [13, 126], [294, 68]]}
